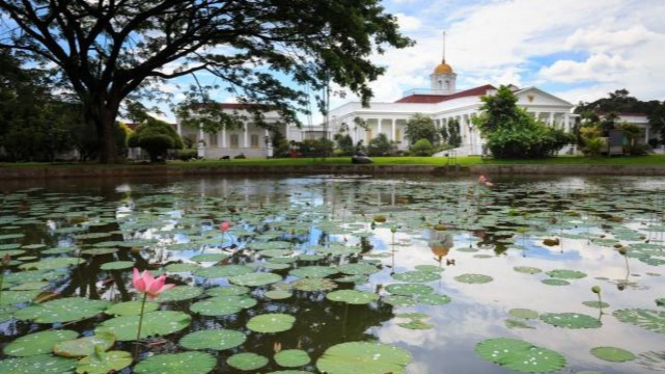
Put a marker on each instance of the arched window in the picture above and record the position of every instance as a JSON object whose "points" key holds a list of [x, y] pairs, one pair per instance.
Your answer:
{"points": [[447, 86], [440, 85]]}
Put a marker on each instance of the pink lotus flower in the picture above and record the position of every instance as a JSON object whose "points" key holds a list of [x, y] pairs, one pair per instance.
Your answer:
{"points": [[145, 283], [224, 226], [482, 179]]}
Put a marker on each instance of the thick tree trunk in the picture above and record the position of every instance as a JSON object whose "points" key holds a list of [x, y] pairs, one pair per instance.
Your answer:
{"points": [[102, 115]]}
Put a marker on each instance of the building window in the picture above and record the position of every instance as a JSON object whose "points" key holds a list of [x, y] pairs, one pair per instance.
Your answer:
{"points": [[254, 141], [235, 140], [212, 140]]}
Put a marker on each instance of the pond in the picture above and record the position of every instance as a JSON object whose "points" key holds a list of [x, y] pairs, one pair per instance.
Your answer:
{"points": [[335, 274]]}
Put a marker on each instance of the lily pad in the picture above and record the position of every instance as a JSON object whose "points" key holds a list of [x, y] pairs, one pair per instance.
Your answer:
{"points": [[358, 269], [104, 362], [51, 263], [408, 289], [416, 324], [213, 339], [210, 257], [42, 364], [247, 361], [571, 320], [566, 274], [429, 268], [520, 356], [353, 297], [84, 346], [271, 323], [433, 299], [62, 310], [652, 320], [179, 293], [417, 276], [225, 271], [255, 279], [612, 354], [291, 358], [523, 313], [228, 291], [131, 308], [474, 278], [38, 343], [313, 284], [154, 324], [595, 304], [117, 265], [399, 301], [364, 358], [527, 269], [181, 268], [555, 282], [177, 363], [313, 272], [278, 294]]}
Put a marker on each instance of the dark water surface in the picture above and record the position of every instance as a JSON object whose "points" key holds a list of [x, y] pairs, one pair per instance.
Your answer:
{"points": [[484, 230]]}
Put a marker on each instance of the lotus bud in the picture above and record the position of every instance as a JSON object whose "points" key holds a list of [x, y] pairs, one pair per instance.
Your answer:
{"points": [[277, 347], [595, 289], [623, 251], [393, 229]]}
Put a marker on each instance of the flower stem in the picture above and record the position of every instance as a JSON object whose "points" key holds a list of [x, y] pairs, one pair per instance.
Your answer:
{"points": [[138, 333]]}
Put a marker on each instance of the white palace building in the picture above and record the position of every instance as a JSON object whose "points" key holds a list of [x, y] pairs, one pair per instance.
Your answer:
{"points": [[442, 102]]}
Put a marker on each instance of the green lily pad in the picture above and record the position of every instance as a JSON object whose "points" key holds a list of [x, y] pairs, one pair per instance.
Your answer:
{"points": [[62, 310], [213, 339], [104, 362], [596, 304], [429, 268], [516, 324], [154, 324], [416, 324], [222, 305], [474, 278], [278, 294], [417, 276], [313, 284], [399, 301], [612, 354], [210, 257], [523, 313], [51, 263], [652, 320], [179, 293], [131, 308], [555, 282], [42, 364], [182, 268], [364, 358], [17, 297], [271, 323], [353, 297], [566, 274], [224, 271], [357, 269], [433, 299], [177, 363], [7, 311], [519, 355], [117, 265], [660, 302], [30, 286], [291, 358], [255, 279], [228, 291], [313, 272], [654, 361], [38, 343], [408, 289], [84, 346], [247, 361], [527, 269], [571, 320]]}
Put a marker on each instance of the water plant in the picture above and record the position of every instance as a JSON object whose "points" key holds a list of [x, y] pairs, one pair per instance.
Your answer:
{"points": [[151, 287]]}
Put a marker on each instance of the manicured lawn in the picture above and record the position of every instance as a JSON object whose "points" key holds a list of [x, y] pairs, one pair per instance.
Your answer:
{"points": [[463, 161]]}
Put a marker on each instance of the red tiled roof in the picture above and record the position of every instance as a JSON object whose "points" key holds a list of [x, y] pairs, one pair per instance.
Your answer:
{"points": [[431, 99]]}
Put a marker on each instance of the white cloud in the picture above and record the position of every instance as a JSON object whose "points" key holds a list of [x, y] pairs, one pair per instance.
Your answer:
{"points": [[599, 67], [408, 23], [602, 40]]}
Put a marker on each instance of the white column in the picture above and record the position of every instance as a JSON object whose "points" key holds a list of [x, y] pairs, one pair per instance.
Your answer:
{"points": [[268, 144], [224, 136], [566, 121], [246, 137], [551, 119], [378, 127], [179, 128], [646, 134], [537, 114], [201, 133], [394, 130], [464, 130]]}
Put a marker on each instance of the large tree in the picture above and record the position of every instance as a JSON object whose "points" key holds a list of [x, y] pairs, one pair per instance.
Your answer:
{"points": [[110, 50]]}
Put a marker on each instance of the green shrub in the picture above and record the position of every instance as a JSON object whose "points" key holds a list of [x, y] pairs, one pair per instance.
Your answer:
{"points": [[381, 146], [593, 147], [156, 137], [186, 154], [344, 144], [637, 149], [423, 147]]}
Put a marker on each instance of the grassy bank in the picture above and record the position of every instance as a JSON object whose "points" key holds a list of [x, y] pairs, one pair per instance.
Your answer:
{"points": [[651, 160]]}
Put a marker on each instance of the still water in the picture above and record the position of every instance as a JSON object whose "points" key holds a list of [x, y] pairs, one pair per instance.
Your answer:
{"points": [[486, 251]]}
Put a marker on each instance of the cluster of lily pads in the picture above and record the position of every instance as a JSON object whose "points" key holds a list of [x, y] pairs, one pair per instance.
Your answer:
{"points": [[288, 273]]}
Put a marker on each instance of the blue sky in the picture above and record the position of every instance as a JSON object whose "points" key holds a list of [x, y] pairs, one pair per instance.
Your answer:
{"points": [[576, 49]]}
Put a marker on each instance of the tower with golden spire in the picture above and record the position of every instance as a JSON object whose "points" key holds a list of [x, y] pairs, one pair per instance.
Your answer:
{"points": [[443, 78]]}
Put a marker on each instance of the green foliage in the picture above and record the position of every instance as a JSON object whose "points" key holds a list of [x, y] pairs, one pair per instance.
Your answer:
{"points": [[512, 133], [423, 147], [280, 146], [381, 146], [156, 137], [321, 147], [421, 127], [454, 133], [186, 154], [344, 144]]}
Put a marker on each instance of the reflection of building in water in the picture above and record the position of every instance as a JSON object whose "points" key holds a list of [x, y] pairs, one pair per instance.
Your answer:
{"points": [[440, 242]]}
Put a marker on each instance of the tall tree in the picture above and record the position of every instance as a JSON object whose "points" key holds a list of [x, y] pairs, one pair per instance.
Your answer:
{"points": [[110, 51], [421, 127]]}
